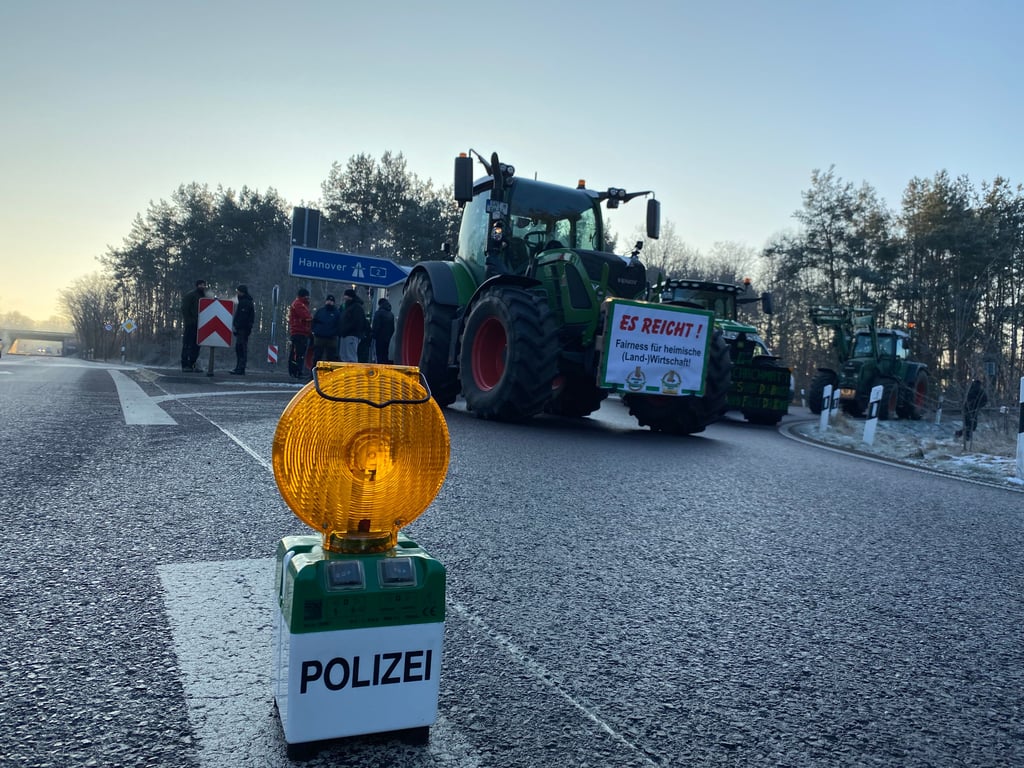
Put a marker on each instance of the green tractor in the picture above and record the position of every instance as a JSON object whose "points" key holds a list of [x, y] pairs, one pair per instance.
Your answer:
{"points": [[761, 387], [869, 357], [516, 322]]}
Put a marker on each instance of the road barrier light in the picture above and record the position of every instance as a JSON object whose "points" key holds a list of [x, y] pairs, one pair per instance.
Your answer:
{"points": [[359, 453]]}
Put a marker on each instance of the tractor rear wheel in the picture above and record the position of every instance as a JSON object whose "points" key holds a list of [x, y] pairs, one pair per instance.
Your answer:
{"points": [[423, 334], [914, 399], [816, 391], [509, 355]]}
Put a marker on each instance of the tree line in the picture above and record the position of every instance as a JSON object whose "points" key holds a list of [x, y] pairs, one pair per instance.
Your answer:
{"points": [[948, 266], [368, 207], [950, 261]]}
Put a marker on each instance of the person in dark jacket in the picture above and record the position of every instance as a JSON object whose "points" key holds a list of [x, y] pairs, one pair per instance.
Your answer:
{"points": [[300, 326], [353, 328], [190, 326], [241, 324], [325, 331], [382, 329], [976, 400]]}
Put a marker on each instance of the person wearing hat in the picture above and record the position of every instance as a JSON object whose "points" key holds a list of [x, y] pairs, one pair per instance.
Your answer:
{"points": [[353, 328], [300, 326], [241, 324], [325, 331]]}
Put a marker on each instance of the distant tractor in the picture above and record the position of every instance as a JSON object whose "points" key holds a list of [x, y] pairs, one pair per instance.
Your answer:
{"points": [[868, 357], [520, 322], [761, 387]]}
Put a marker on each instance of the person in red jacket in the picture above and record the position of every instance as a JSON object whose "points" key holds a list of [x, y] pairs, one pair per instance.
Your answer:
{"points": [[300, 326]]}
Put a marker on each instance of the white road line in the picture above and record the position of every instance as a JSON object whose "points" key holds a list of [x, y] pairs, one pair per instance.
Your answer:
{"points": [[136, 405], [221, 615], [231, 393], [544, 677]]}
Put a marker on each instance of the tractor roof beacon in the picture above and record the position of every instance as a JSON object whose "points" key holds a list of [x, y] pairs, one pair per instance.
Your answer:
{"points": [[869, 356], [516, 322]]}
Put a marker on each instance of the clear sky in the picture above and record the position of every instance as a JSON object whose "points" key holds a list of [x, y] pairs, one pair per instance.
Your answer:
{"points": [[723, 108]]}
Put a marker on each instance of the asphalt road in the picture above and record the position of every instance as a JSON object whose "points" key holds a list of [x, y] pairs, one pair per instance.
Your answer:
{"points": [[615, 597]]}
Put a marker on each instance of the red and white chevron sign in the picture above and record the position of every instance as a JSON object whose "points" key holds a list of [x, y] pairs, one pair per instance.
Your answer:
{"points": [[272, 353], [215, 322]]}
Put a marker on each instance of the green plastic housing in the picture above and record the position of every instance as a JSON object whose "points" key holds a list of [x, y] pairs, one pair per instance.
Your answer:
{"points": [[311, 599]]}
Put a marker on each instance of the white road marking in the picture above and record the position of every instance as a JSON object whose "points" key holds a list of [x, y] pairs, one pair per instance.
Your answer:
{"points": [[221, 615], [542, 676], [222, 620], [136, 405], [230, 393]]}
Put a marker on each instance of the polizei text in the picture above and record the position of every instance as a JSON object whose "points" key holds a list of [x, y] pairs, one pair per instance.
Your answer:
{"points": [[360, 672]]}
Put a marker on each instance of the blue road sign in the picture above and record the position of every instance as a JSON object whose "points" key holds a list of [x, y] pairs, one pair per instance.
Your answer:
{"points": [[345, 267]]}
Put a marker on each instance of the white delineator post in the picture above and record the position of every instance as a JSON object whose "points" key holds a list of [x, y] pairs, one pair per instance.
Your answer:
{"points": [[872, 422], [826, 407], [1020, 433]]}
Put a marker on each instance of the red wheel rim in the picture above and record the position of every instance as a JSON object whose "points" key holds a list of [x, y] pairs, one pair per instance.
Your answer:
{"points": [[412, 337], [489, 347]]}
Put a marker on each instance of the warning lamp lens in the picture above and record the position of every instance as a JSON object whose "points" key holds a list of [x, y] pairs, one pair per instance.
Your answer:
{"points": [[360, 452]]}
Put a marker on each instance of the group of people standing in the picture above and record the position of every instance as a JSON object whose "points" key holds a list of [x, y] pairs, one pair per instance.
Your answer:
{"points": [[338, 334]]}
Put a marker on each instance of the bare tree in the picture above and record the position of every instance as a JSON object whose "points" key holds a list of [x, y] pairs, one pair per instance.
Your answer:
{"points": [[91, 304]]}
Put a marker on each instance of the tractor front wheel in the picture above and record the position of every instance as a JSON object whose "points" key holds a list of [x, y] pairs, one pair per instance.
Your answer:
{"points": [[687, 415], [509, 355], [578, 396]]}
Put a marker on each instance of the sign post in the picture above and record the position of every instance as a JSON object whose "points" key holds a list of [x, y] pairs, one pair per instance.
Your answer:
{"points": [[214, 326], [826, 407], [1020, 434], [872, 422], [275, 297]]}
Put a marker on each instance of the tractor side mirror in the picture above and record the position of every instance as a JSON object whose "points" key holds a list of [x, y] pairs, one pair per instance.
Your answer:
{"points": [[653, 218], [767, 305], [463, 179]]}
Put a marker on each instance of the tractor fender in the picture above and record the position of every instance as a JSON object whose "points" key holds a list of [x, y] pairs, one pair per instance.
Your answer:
{"points": [[519, 281], [450, 281], [912, 369]]}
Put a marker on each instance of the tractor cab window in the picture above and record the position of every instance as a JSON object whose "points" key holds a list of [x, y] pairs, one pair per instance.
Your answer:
{"points": [[473, 233], [902, 349], [543, 214], [723, 305], [862, 345], [886, 345]]}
